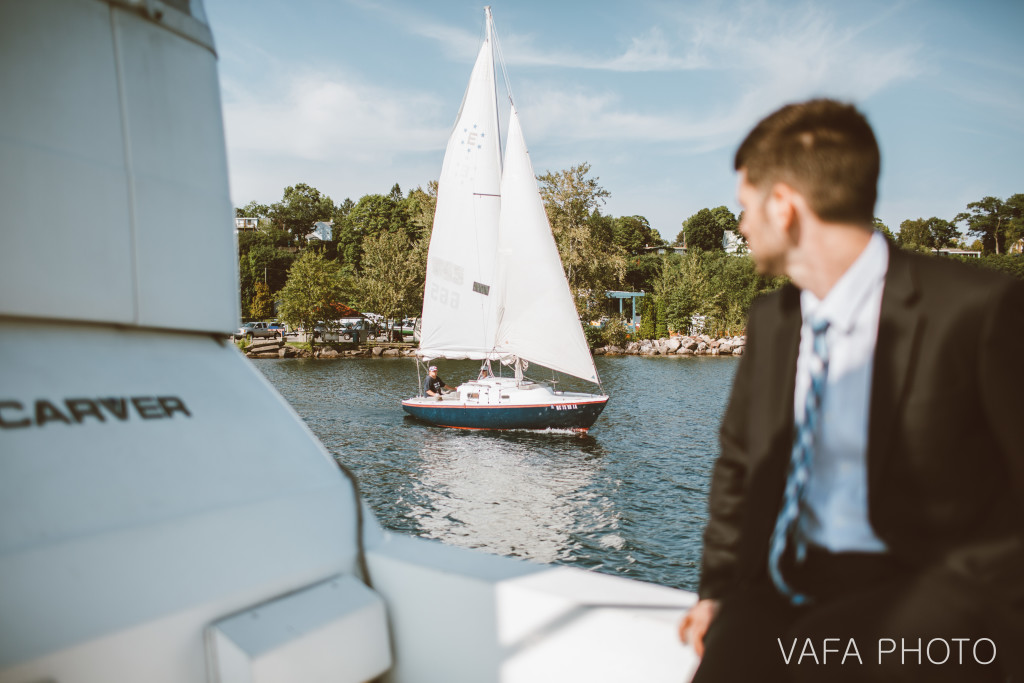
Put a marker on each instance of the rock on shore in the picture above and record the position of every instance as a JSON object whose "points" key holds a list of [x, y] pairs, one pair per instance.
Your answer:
{"points": [[702, 345]]}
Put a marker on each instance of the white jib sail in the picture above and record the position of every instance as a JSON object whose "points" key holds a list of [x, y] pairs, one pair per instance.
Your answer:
{"points": [[459, 306], [537, 315]]}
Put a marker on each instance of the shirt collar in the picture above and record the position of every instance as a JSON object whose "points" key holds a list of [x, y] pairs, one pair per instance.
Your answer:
{"points": [[843, 302]]}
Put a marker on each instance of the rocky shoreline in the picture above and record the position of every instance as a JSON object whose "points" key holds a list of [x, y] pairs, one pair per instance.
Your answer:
{"points": [[278, 349], [702, 345], [675, 346]]}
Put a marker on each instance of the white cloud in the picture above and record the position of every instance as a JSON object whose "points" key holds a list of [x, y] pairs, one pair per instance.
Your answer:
{"points": [[566, 115], [760, 57], [318, 116]]}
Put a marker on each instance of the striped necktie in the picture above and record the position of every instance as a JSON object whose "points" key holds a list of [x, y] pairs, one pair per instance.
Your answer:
{"points": [[799, 467]]}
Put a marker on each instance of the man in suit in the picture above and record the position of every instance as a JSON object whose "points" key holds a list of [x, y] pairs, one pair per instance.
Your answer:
{"points": [[867, 509]]}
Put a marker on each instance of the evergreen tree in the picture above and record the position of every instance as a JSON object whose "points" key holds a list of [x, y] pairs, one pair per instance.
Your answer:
{"points": [[648, 317], [262, 305]]}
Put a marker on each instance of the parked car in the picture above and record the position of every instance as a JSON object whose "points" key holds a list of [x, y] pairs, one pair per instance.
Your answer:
{"points": [[410, 329], [252, 330], [322, 332], [351, 332]]}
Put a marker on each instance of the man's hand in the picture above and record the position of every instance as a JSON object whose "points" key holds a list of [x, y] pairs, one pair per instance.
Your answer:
{"points": [[695, 624]]}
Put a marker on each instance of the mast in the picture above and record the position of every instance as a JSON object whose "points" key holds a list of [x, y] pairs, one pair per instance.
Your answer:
{"points": [[492, 41]]}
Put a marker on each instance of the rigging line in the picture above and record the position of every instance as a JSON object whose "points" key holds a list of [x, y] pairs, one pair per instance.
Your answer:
{"points": [[501, 59]]}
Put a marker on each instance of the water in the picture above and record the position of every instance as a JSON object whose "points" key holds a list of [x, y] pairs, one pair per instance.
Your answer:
{"points": [[628, 498]]}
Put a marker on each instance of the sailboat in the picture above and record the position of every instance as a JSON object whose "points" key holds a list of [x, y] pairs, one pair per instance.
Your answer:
{"points": [[495, 289]]}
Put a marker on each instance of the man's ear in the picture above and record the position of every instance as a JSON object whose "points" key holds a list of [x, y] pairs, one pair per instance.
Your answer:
{"points": [[781, 208]]}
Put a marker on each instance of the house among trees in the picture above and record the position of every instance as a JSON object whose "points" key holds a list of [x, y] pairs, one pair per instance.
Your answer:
{"points": [[664, 249], [968, 253], [733, 242], [322, 231], [246, 224]]}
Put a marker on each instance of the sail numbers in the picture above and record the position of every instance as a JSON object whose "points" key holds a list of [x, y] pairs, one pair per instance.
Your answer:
{"points": [[444, 296], [446, 270]]}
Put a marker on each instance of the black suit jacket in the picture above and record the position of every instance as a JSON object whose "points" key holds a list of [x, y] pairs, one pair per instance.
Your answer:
{"points": [[945, 458]]}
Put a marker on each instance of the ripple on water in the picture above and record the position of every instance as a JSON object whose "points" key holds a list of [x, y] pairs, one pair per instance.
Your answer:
{"points": [[627, 498]]}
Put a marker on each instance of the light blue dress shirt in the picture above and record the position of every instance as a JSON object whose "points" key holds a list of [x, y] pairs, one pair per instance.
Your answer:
{"points": [[835, 515]]}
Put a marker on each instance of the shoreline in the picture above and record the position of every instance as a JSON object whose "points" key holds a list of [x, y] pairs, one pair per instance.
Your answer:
{"points": [[699, 345]]}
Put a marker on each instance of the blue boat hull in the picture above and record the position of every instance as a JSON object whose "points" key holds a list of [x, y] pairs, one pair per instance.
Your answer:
{"points": [[576, 416]]}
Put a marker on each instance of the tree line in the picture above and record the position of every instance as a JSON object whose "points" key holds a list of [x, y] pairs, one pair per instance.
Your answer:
{"points": [[376, 257]]}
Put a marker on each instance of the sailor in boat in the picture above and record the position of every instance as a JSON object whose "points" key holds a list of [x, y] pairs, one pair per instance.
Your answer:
{"points": [[434, 386], [485, 371]]}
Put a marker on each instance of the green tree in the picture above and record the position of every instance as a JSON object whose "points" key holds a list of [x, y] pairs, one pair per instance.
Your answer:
{"points": [[661, 320], [391, 283], [914, 234], [633, 233], [1015, 231], [881, 227], [252, 210], [314, 284], [300, 207], [262, 257], [725, 218], [420, 207], [642, 272], [716, 285], [944, 233], [702, 231], [371, 215], [614, 333], [927, 233], [262, 305], [592, 263], [991, 219], [648, 317], [686, 287]]}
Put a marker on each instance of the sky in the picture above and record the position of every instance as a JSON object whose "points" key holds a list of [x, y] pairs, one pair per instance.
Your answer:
{"points": [[353, 96]]}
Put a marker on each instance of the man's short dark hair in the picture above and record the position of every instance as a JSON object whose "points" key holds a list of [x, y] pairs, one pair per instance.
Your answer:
{"points": [[825, 150]]}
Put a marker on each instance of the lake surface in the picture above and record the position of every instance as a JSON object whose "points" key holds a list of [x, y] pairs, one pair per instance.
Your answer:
{"points": [[628, 498]]}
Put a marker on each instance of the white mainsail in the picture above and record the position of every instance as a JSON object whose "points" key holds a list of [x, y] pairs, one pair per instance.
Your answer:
{"points": [[459, 299], [537, 315], [495, 287]]}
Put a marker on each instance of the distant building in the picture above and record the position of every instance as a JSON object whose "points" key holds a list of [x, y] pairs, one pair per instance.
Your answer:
{"points": [[321, 231], [957, 252], [665, 249], [246, 224], [733, 242], [1017, 247]]}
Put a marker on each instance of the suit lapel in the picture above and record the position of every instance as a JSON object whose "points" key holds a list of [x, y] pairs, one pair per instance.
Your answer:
{"points": [[786, 338], [899, 328]]}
